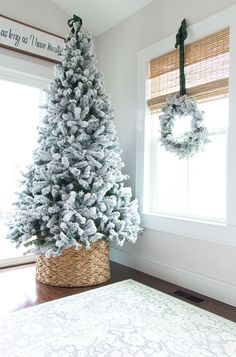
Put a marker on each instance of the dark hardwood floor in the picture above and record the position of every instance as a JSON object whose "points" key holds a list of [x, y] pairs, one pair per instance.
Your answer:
{"points": [[19, 289]]}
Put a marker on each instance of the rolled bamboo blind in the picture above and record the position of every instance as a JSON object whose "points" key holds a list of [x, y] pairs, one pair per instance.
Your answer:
{"points": [[206, 71]]}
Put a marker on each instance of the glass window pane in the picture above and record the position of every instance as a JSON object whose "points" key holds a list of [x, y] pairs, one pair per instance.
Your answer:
{"points": [[194, 187], [216, 113], [207, 180], [171, 182], [20, 115]]}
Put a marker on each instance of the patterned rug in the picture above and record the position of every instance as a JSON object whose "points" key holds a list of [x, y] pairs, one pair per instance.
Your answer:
{"points": [[124, 319]]}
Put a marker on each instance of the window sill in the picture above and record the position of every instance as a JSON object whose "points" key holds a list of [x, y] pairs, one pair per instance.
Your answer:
{"points": [[6, 263], [207, 231]]}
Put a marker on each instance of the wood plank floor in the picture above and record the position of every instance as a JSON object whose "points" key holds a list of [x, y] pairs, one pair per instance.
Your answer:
{"points": [[19, 289]]}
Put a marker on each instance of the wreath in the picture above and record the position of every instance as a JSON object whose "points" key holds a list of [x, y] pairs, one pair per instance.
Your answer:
{"points": [[180, 105], [193, 140]]}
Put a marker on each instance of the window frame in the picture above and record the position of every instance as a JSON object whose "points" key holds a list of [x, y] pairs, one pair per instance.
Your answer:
{"points": [[224, 233]]}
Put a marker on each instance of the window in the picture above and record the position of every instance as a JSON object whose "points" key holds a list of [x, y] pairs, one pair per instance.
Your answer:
{"points": [[21, 81], [195, 187], [20, 115], [157, 213]]}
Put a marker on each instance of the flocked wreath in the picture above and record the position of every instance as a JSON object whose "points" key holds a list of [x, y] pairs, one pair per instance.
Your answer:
{"points": [[193, 140], [179, 106]]}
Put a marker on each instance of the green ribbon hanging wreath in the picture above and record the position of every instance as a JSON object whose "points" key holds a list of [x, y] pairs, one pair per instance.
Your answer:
{"points": [[180, 105], [180, 38]]}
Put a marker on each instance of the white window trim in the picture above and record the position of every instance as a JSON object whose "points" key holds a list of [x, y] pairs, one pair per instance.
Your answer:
{"points": [[214, 232], [24, 69]]}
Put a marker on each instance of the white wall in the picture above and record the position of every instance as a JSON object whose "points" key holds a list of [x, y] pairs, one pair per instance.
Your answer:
{"points": [[208, 268], [39, 13]]}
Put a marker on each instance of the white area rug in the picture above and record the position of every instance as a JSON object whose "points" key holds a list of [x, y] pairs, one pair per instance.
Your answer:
{"points": [[123, 319]]}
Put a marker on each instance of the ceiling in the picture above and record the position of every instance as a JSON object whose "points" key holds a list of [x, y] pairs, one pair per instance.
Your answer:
{"points": [[100, 15]]}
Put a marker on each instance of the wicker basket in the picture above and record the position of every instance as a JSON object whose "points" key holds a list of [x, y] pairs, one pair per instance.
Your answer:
{"points": [[75, 267]]}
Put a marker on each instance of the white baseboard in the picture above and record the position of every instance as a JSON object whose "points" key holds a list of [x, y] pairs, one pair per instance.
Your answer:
{"points": [[201, 284]]}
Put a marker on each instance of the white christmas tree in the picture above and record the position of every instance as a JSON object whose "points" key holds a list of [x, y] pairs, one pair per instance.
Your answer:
{"points": [[74, 191]]}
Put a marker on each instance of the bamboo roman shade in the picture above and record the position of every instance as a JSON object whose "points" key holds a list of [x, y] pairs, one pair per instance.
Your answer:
{"points": [[206, 71]]}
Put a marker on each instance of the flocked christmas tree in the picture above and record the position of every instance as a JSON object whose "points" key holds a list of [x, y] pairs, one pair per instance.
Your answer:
{"points": [[74, 191]]}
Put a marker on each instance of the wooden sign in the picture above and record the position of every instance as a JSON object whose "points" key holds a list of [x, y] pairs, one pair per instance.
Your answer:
{"points": [[23, 38]]}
